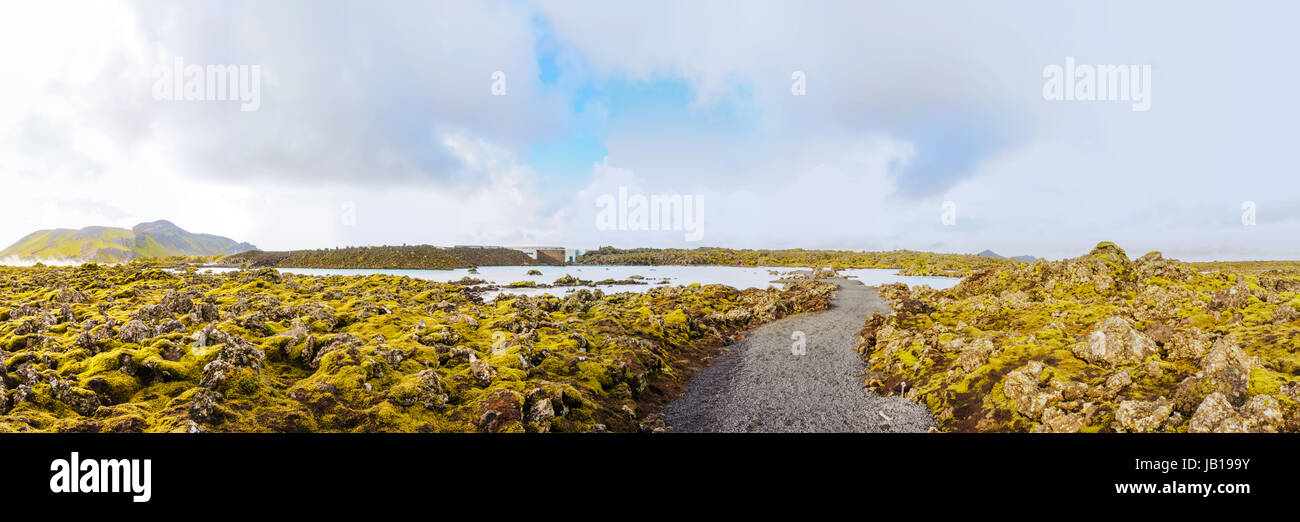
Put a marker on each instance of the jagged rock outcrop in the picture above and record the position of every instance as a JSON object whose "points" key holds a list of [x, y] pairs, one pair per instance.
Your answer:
{"points": [[1143, 416], [1095, 343], [136, 347], [135, 331], [1225, 369], [235, 354], [1025, 386], [1116, 342], [1216, 414]]}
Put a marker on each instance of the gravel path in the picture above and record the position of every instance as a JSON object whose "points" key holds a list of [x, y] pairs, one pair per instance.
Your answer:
{"points": [[760, 386]]}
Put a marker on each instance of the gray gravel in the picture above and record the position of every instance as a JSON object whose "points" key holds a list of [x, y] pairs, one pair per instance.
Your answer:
{"points": [[760, 386]]}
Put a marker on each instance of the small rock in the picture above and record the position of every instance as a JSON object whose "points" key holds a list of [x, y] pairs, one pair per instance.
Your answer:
{"points": [[500, 410], [1115, 342], [1285, 314], [483, 372], [1058, 421], [1116, 384], [1187, 344], [1022, 386], [540, 415], [1261, 414], [1143, 416], [914, 306], [204, 407], [653, 423], [1225, 369], [135, 331]]}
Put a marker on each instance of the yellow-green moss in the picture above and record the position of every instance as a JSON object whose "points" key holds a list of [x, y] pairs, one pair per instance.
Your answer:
{"points": [[377, 334]]}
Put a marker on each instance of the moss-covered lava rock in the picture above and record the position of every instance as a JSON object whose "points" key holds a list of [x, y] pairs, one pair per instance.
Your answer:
{"points": [[134, 348], [1096, 343]]}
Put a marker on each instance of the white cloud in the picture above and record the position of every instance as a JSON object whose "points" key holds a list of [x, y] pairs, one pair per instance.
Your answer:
{"points": [[388, 106], [817, 194], [1055, 178]]}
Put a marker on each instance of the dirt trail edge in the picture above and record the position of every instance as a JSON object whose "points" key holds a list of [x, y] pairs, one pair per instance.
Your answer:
{"points": [[759, 385]]}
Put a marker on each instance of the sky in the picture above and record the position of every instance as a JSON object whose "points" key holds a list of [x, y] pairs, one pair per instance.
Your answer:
{"points": [[850, 125]]}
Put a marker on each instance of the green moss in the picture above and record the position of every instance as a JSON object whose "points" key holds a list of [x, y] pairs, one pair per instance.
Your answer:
{"points": [[358, 365], [1039, 312], [910, 262]]}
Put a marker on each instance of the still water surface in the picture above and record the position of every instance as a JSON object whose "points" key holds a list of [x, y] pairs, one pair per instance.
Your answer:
{"points": [[654, 276]]}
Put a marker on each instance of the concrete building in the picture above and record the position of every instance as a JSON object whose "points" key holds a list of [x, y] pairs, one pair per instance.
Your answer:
{"points": [[551, 255]]}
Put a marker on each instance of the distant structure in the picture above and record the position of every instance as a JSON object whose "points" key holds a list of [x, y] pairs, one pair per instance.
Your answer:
{"points": [[544, 254], [551, 255]]}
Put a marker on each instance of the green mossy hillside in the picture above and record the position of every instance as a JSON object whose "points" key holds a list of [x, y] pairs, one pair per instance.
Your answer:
{"points": [[110, 244]]}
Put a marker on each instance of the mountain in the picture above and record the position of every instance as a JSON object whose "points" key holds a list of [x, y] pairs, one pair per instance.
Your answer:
{"points": [[990, 253], [110, 244]]}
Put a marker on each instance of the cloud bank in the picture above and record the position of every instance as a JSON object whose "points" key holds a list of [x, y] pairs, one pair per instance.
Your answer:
{"points": [[377, 123]]}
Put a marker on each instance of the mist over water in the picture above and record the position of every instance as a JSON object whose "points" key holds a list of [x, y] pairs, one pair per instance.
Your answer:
{"points": [[17, 261]]}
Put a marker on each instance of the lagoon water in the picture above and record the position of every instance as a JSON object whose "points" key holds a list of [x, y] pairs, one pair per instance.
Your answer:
{"points": [[884, 276], [654, 276]]}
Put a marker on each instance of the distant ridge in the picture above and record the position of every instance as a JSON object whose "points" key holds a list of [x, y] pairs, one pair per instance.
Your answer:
{"points": [[416, 257], [110, 244], [990, 253]]}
